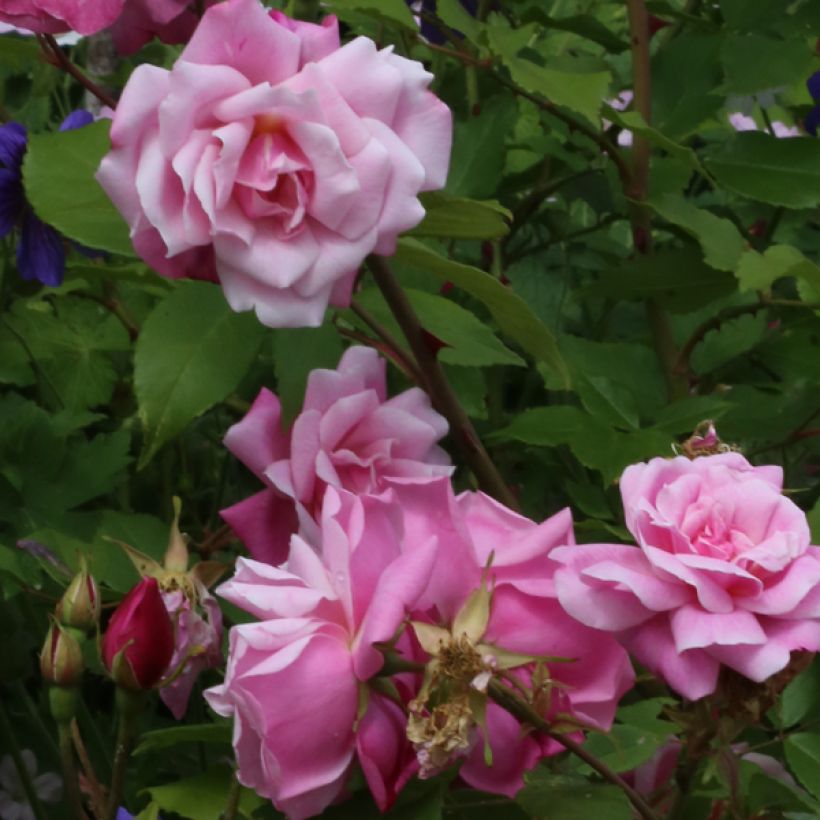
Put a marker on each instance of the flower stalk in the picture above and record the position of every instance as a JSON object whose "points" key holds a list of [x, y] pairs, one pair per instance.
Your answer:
{"points": [[439, 389]]}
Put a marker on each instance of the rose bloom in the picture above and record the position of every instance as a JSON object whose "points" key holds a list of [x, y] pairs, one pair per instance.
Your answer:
{"points": [[348, 435], [54, 16], [473, 532], [723, 573], [172, 21], [273, 161], [296, 680]]}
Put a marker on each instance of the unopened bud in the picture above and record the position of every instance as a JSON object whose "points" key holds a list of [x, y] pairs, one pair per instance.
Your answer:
{"points": [[139, 642], [61, 661], [79, 608], [176, 555]]}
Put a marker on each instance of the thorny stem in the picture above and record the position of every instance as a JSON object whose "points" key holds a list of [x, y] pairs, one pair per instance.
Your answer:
{"points": [[638, 187], [95, 788], [129, 707], [521, 710], [387, 337], [441, 393], [70, 779], [55, 55], [232, 806]]}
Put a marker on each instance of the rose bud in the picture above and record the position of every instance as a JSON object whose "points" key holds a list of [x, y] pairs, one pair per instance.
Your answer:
{"points": [[139, 642], [61, 660], [79, 608]]}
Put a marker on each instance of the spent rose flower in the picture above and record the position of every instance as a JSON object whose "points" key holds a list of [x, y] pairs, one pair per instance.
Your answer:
{"points": [[255, 164], [723, 574], [54, 16], [475, 532], [348, 435], [197, 624], [139, 642], [296, 680]]}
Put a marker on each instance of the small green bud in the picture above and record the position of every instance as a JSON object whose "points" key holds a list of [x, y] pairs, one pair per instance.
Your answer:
{"points": [[61, 660], [63, 703], [79, 608]]}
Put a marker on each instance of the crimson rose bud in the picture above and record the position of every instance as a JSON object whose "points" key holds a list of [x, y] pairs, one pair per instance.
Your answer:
{"points": [[139, 642]]}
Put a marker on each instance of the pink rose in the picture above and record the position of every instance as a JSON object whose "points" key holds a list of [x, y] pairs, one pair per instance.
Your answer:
{"points": [[723, 573], [249, 165], [525, 618], [296, 679], [54, 16], [349, 435], [172, 21], [197, 643]]}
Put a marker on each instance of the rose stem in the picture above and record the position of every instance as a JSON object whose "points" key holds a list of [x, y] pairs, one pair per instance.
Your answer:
{"points": [[54, 55], [442, 394], [72, 784], [129, 707], [522, 710]]}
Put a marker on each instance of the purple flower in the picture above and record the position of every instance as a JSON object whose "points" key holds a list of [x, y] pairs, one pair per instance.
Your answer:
{"points": [[40, 251], [812, 121], [431, 32]]}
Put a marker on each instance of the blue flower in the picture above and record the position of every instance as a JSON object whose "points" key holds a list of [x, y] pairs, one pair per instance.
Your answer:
{"points": [[40, 251], [812, 121]]}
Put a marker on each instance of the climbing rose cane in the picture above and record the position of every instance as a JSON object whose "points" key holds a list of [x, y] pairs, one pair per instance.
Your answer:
{"points": [[273, 161], [723, 573], [348, 435]]}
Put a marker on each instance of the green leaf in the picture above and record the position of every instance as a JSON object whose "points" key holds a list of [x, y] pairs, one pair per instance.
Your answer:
{"points": [[19, 53], [456, 218], [778, 171], [197, 733], [394, 11], [571, 798], [297, 351], [477, 161], [203, 796], [58, 172], [755, 62], [69, 339], [579, 90], [594, 443], [721, 241], [758, 271], [192, 352], [512, 314], [634, 122], [608, 401], [803, 754], [802, 696], [678, 279], [685, 414], [455, 15], [471, 342], [624, 748], [814, 522]]}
